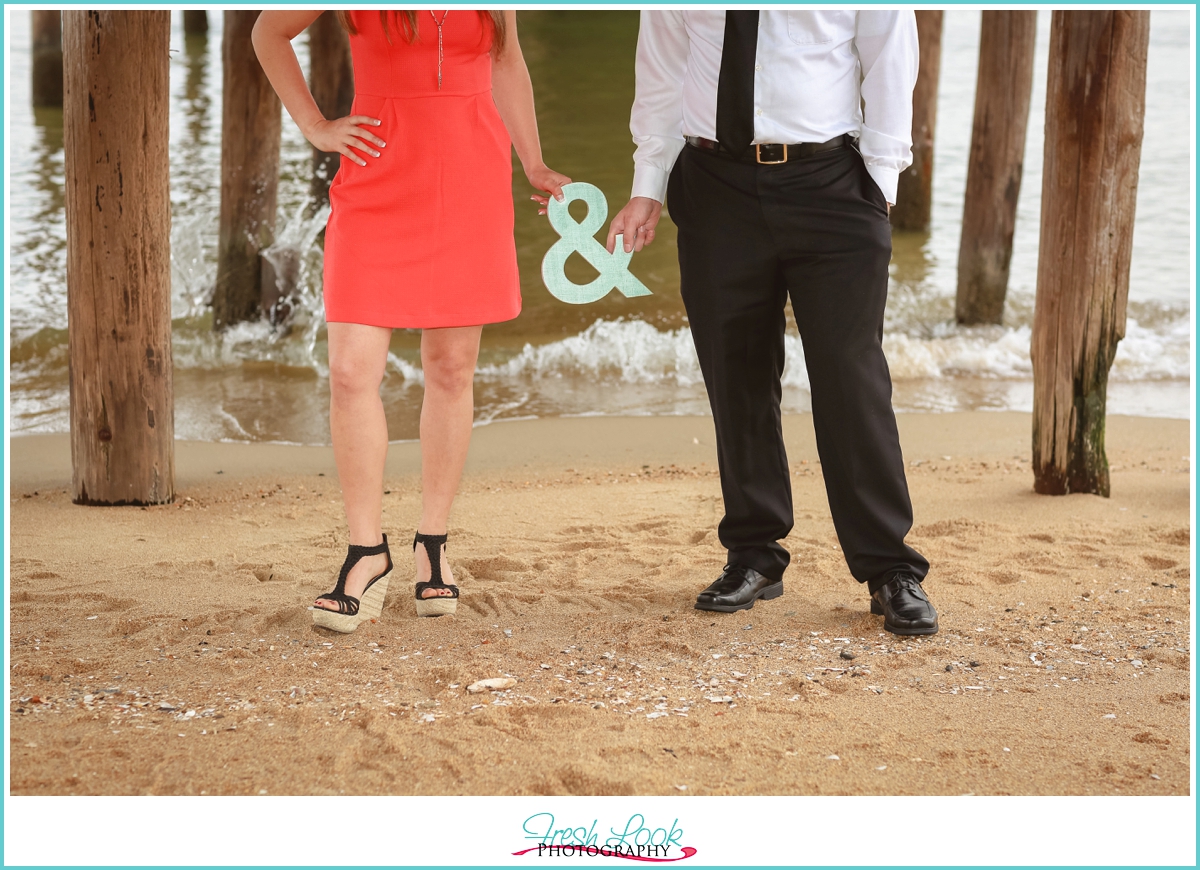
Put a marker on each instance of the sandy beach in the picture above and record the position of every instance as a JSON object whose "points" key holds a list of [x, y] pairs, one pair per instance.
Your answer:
{"points": [[167, 650]]}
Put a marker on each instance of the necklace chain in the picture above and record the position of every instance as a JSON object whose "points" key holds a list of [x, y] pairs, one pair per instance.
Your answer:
{"points": [[439, 27]]}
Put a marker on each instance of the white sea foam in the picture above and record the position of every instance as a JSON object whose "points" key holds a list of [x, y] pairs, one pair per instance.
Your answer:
{"points": [[987, 352], [408, 372], [254, 340], [1162, 353], [632, 351]]}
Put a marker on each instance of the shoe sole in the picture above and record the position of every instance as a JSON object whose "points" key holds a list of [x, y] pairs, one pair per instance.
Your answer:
{"points": [[907, 632], [767, 593], [437, 605], [370, 606]]}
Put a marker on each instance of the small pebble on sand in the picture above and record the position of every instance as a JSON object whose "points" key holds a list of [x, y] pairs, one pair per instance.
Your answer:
{"points": [[496, 683]]}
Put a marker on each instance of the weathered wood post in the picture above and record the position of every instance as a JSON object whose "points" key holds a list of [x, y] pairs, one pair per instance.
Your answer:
{"points": [[1002, 92], [1095, 105], [118, 212], [46, 25], [195, 22], [331, 80], [196, 50], [251, 126], [914, 194]]}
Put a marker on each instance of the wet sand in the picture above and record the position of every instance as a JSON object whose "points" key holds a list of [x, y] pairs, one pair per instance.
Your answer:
{"points": [[167, 650]]}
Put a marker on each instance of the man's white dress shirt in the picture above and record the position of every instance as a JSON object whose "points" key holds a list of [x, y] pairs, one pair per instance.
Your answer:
{"points": [[817, 75]]}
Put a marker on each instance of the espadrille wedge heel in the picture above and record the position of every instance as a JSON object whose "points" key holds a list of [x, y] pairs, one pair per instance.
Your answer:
{"points": [[435, 605], [353, 611]]}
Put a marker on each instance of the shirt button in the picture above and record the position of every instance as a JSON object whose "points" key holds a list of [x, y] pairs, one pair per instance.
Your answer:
{"points": [[758, 111], [758, 66]]}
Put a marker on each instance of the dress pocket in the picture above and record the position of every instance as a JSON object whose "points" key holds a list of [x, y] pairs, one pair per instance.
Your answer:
{"points": [[820, 28]]}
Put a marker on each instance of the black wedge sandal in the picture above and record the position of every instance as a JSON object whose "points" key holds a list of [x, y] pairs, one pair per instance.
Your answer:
{"points": [[352, 611], [435, 605]]}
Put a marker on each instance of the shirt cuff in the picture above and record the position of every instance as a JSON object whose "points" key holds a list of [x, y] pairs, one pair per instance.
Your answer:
{"points": [[887, 179], [650, 181]]}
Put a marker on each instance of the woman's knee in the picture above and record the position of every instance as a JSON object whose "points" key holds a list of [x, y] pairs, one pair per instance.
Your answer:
{"points": [[351, 376], [450, 370]]}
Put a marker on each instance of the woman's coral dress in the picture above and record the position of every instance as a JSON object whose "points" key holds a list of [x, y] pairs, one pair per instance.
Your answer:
{"points": [[422, 236]]}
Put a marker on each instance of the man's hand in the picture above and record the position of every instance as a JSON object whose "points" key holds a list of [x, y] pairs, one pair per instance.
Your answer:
{"points": [[635, 223]]}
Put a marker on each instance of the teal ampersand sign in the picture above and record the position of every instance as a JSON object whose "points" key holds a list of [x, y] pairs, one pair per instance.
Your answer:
{"points": [[580, 236]]}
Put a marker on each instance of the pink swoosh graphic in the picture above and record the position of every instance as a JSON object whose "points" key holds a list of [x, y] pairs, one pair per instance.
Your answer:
{"points": [[688, 852]]}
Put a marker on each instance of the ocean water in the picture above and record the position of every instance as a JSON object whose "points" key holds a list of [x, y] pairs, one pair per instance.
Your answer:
{"points": [[616, 356]]}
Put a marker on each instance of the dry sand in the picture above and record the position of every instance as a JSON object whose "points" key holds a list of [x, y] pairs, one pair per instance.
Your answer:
{"points": [[168, 650]]}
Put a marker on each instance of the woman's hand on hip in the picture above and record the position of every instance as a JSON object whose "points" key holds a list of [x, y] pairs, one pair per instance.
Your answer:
{"points": [[342, 134], [546, 179]]}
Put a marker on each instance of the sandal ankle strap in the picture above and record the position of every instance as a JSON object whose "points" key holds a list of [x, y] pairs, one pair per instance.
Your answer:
{"points": [[359, 550], [433, 545]]}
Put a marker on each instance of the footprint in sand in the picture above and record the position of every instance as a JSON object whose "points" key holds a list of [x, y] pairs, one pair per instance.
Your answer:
{"points": [[649, 526], [951, 528], [1147, 737], [494, 567], [1158, 563], [266, 573], [1177, 537]]}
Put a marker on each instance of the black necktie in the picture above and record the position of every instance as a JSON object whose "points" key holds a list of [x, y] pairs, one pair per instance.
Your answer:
{"points": [[735, 87]]}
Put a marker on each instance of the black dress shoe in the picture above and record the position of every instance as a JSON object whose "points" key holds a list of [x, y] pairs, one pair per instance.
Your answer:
{"points": [[738, 588], [904, 608]]}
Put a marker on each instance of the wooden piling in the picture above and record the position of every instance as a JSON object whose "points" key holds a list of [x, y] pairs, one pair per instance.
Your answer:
{"points": [[331, 80], [251, 126], [914, 194], [195, 22], [118, 213], [280, 277], [47, 72], [1002, 91], [1095, 106]]}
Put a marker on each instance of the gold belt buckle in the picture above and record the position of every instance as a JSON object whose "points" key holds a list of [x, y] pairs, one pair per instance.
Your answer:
{"points": [[758, 156]]}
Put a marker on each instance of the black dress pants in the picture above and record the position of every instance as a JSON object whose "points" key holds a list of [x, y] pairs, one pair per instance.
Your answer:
{"points": [[815, 229]]}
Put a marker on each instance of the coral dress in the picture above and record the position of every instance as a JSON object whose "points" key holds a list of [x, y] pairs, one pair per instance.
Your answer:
{"points": [[422, 236]]}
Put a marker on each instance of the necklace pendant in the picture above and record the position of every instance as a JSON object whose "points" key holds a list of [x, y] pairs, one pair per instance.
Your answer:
{"points": [[440, 44]]}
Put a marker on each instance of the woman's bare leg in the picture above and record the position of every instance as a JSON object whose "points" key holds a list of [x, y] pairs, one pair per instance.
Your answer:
{"points": [[448, 357], [357, 359]]}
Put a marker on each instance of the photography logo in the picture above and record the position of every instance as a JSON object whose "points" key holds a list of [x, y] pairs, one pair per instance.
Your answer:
{"points": [[636, 840]]}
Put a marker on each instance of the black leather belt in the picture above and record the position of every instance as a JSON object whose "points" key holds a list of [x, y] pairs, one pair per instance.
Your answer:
{"points": [[771, 153]]}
